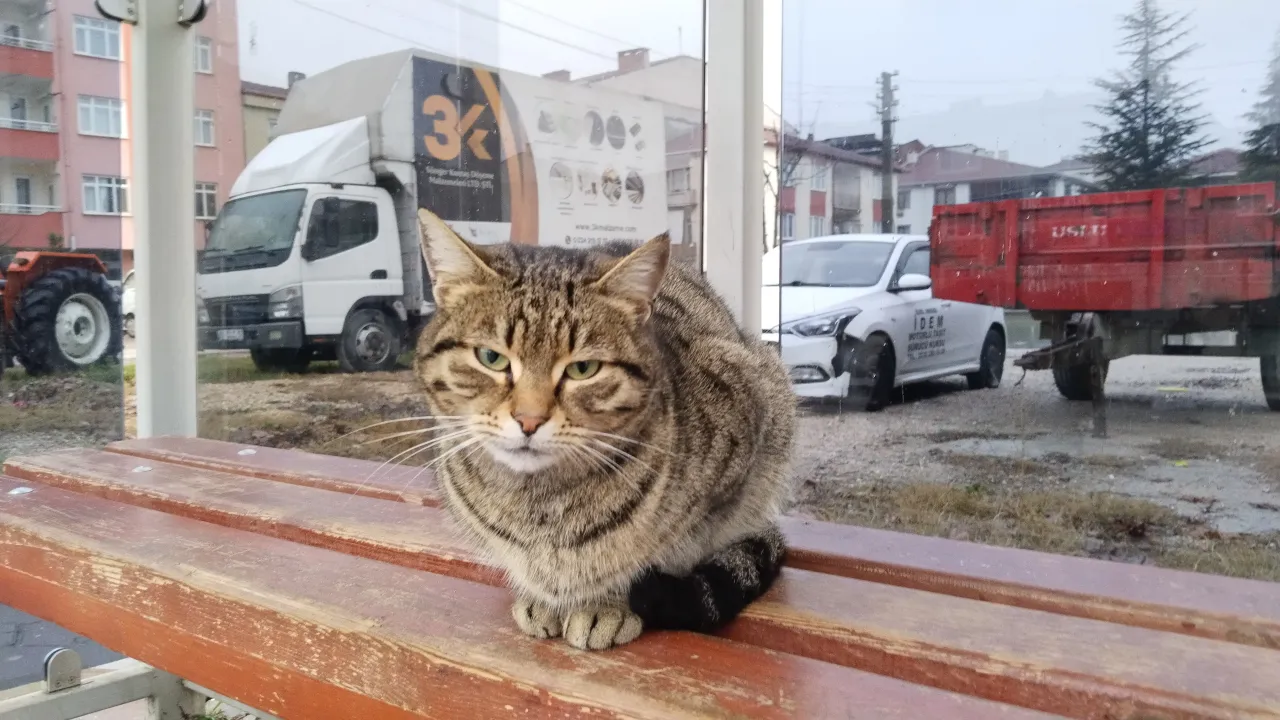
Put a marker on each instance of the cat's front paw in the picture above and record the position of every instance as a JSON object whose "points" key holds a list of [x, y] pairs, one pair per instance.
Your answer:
{"points": [[601, 628], [536, 619]]}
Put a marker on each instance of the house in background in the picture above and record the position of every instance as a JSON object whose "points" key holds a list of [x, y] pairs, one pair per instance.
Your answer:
{"points": [[966, 173], [261, 106], [1220, 167], [816, 188], [65, 155]]}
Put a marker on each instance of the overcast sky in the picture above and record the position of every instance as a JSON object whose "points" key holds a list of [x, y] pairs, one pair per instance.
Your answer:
{"points": [[1006, 73]]}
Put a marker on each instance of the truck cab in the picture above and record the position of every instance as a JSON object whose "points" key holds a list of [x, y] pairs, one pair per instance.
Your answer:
{"points": [[295, 272]]}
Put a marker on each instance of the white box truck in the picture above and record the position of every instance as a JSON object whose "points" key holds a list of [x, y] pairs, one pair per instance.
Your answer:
{"points": [[316, 254]]}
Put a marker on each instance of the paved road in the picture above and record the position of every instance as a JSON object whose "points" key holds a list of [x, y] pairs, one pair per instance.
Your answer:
{"points": [[25, 640]]}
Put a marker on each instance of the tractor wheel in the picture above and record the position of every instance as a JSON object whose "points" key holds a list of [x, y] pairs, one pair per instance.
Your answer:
{"points": [[66, 320]]}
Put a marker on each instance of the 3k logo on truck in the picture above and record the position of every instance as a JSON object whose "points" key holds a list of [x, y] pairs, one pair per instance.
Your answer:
{"points": [[449, 131], [461, 175]]}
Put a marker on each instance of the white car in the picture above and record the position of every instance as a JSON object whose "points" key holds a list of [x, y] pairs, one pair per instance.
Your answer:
{"points": [[855, 317], [128, 303]]}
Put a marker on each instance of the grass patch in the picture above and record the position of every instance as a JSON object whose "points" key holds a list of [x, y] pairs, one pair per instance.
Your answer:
{"points": [[987, 468], [1099, 525]]}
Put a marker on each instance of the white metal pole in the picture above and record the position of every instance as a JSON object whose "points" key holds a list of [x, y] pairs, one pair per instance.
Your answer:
{"points": [[164, 218], [733, 234]]}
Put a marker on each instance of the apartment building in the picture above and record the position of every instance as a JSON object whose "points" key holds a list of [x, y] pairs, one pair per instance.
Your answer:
{"points": [[65, 149]]}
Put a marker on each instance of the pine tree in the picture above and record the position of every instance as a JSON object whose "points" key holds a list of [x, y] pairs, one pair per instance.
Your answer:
{"points": [[1261, 157], [1151, 128]]}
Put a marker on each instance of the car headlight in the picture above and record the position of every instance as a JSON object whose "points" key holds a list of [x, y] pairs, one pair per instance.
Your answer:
{"points": [[819, 325], [285, 303], [202, 312]]}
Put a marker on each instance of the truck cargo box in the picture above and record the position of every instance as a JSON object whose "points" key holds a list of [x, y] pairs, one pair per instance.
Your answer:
{"points": [[1123, 251]]}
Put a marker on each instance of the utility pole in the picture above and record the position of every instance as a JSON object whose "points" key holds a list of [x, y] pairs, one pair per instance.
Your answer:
{"points": [[886, 105]]}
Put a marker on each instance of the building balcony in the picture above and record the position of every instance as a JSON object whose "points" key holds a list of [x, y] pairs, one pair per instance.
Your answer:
{"points": [[682, 198], [28, 139], [842, 200], [23, 56], [29, 226]]}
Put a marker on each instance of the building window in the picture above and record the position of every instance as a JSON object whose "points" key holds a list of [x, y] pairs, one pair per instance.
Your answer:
{"points": [[817, 226], [97, 37], [944, 196], [105, 195], [271, 125], [204, 54], [206, 201], [678, 180], [204, 128], [101, 116], [788, 226], [904, 199], [904, 229], [820, 170]]}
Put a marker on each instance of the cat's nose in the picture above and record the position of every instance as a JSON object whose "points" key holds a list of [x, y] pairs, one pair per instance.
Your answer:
{"points": [[529, 422]]}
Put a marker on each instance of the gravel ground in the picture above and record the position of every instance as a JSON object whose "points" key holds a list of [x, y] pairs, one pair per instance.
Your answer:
{"points": [[1191, 434]]}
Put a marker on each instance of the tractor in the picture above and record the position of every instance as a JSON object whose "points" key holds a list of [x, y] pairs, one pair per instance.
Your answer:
{"points": [[58, 313]]}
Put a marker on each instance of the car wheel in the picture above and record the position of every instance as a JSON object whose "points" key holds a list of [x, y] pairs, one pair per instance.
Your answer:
{"points": [[872, 374], [991, 363]]}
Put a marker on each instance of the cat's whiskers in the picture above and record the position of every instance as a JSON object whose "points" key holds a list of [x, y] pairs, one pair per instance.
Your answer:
{"points": [[611, 436], [417, 418], [421, 431], [629, 456]]}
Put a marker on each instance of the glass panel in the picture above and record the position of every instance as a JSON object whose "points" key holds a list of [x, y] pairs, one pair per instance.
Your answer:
{"points": [[66, 365], [1103, 217], [530, 122]]}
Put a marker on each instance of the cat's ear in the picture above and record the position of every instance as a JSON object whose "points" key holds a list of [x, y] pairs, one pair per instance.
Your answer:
{"points": [[451, 261], [636, 277]]}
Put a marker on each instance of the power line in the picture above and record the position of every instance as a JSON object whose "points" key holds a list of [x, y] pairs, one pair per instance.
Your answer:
{"points": [[583, 28], [412, 41], [494, 18]]}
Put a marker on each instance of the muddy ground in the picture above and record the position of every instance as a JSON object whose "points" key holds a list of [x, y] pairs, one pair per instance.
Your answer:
{"points": [[1188, 477]]}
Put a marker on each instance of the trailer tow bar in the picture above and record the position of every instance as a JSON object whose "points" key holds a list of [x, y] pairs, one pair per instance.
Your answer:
{"points": [[1082, 348]]}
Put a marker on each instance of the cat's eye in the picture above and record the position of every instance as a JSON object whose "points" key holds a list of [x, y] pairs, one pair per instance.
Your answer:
{"points": [[582, 369], [493, 359]]}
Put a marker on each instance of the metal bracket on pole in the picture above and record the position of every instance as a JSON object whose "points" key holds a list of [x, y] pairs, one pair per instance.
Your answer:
{"points": [[62, 668]]}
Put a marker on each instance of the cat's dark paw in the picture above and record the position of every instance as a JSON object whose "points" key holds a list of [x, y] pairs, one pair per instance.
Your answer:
{"points": [[536, 619]]}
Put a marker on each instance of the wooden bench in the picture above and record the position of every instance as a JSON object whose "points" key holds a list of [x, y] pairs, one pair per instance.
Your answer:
{"points": [[316, 587]]}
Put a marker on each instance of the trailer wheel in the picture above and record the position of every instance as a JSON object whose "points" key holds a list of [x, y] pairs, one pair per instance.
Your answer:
{"points": [[1271, 381], [1073, 380], [871, 377], [370, 342]]}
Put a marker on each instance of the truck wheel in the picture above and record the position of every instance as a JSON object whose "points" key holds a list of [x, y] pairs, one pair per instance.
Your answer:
{"points": [[1271, 381], [370, 342], [871, 377], [68, 319], [281, 359], [991, 369]]}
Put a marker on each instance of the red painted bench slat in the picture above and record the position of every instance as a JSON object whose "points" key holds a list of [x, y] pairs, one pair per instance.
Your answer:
{"points": [[1022, 656], [303, 632], [1243, 611]]}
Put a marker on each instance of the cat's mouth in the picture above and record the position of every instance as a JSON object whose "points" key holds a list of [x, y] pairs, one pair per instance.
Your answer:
{"points": [[523, 457]]}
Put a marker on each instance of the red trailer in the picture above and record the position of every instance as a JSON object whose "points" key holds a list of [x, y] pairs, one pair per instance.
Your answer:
{"points": [[1125, 273]]}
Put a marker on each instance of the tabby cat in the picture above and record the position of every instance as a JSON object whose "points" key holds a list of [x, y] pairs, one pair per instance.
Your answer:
{"points": [[612, 439]]}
